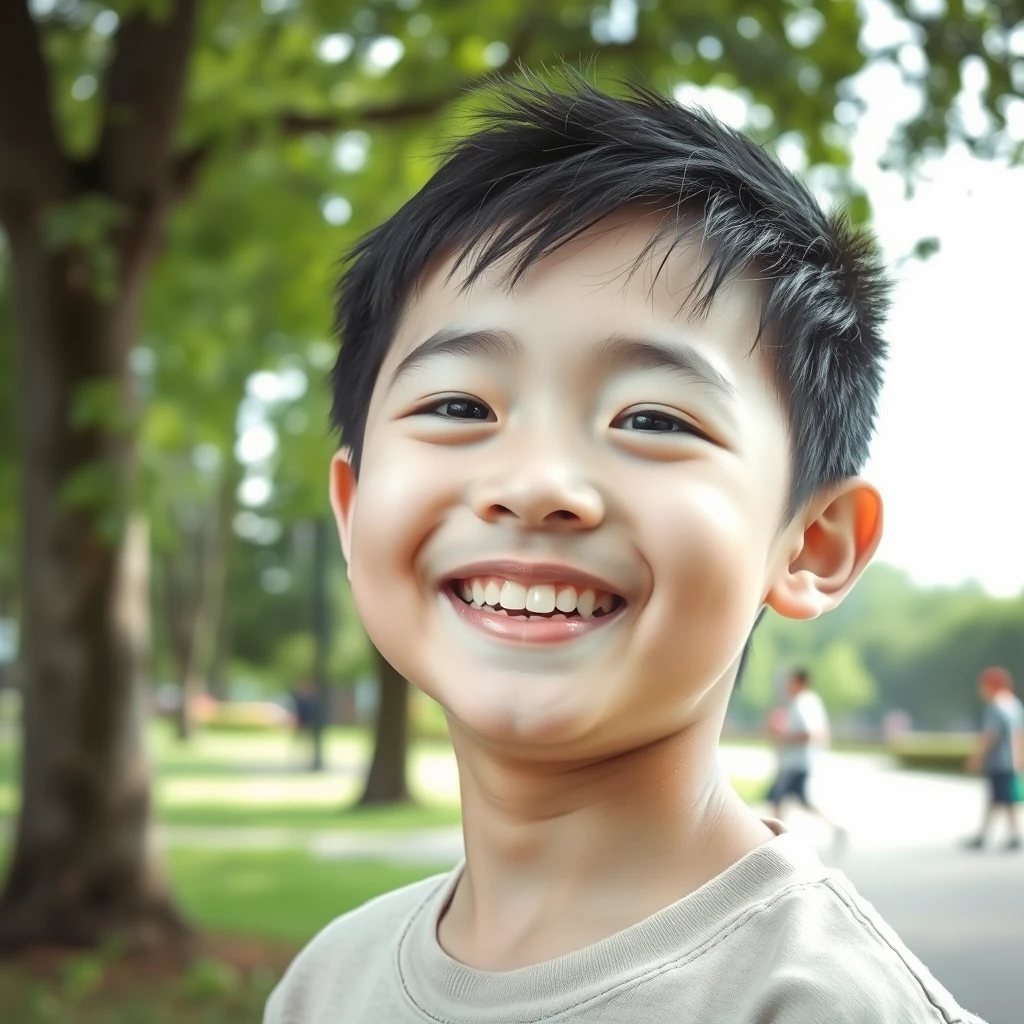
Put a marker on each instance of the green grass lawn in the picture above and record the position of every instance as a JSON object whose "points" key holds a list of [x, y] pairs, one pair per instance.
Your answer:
{"points": [[279, 899], [261, 779], [278, 894]]}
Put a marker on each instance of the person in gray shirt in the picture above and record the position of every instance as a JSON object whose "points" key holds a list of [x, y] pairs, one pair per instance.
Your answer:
{"points": [[999, 753]]}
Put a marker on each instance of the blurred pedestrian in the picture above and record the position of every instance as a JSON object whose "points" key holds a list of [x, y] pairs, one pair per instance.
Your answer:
{"points": [[999, 754], [801, 731], [308, 714]]}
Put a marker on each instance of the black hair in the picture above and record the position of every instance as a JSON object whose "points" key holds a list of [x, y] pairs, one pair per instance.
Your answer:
{"points": [[801, 676], [547, 164], [747, 648]]}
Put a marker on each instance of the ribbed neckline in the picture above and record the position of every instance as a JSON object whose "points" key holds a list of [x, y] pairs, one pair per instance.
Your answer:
{"points": [[446, 990]]}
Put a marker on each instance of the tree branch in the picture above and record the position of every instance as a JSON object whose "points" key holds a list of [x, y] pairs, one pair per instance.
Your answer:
{"points": [[32, 162], [143, 91], [295, 123], [188, 164]]}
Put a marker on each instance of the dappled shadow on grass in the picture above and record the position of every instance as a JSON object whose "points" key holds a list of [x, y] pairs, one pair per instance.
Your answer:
{"points": [[256, 909], [227, 982]]}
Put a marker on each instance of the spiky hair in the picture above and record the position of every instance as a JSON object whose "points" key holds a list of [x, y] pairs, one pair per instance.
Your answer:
{"points": [[546, 164]]}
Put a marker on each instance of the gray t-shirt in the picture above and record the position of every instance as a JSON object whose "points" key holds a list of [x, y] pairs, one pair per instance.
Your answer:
{"points": [[1004, 716], [776, 939]]}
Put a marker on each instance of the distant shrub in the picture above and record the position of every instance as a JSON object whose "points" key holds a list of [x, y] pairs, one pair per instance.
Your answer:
{"points": [[932, 751]]}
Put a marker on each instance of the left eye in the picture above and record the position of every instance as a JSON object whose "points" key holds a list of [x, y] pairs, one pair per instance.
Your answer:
{"points": [[460, 409], [652, 422]]}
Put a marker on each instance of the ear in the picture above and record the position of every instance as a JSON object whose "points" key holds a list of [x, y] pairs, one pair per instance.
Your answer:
{"points": [[343, 493], [830, 546]]}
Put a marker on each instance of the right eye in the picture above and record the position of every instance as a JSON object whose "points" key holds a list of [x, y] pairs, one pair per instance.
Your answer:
{"points": [[460, 409]]}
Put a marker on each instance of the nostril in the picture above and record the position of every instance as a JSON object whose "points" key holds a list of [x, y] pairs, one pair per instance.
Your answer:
{"points": [[564, 514]]}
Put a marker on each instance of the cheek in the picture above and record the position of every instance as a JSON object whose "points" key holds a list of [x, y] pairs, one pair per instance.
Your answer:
{"points": [[708, 555], [392, 517]]}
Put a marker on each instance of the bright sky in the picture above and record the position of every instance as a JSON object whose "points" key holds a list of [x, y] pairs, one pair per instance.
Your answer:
{"points": [[949, 451]]}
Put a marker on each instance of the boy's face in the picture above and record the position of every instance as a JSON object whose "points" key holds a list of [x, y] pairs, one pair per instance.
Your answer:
{"points": [[579, 433]]}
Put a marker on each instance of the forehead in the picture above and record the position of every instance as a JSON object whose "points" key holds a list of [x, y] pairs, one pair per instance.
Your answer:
{"points": [[616, 279]]}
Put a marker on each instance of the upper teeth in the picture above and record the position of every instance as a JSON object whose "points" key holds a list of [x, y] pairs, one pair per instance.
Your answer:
{"points": [[535, 597]]}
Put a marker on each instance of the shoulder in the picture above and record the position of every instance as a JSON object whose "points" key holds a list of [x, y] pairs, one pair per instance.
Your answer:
{"points": [[813, 700], [350, 946], [837, 959], [810, 707]]}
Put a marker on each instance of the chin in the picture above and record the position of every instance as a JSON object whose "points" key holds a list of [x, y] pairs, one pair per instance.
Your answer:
{"points": [[520, 720]]}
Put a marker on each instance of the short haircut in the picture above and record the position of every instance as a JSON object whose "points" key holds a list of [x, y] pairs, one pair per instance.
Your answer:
{"points": [[547, 164], [997, 677], [801, 676]]}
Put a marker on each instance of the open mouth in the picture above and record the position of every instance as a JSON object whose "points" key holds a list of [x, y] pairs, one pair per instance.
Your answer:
{"points": [[526, 602]]}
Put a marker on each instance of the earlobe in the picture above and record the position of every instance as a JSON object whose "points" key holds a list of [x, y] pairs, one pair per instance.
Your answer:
{"points": [[343, 492], [838, 540]]}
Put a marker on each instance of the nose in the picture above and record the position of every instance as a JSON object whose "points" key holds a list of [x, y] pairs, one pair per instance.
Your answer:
{"points": [[539, 494]]}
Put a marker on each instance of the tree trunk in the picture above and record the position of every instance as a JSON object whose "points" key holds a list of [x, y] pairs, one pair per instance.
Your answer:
{"points": [[194, 593], [386, 783], [84, 863], [84, 866], [180, 608]]}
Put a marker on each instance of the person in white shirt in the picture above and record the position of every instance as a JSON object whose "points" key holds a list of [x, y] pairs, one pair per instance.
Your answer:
{"points": [[801, 732]]}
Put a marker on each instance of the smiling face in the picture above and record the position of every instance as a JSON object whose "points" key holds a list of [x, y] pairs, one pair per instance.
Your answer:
{"points": [[570, 496]]}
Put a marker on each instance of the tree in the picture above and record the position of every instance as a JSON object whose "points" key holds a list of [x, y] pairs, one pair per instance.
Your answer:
{"points": [[386, 782], [842, 680], [106, 128], [83, 235]]}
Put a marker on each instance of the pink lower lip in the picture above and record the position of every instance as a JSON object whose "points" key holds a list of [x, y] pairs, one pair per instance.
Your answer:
{"points": [[529, 631]]}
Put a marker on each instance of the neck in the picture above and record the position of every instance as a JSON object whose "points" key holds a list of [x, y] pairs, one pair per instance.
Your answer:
{"points": [[560, 855]]}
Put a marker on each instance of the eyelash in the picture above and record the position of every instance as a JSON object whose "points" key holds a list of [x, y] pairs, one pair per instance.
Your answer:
{"points": [[435, 410], [675, 424]]}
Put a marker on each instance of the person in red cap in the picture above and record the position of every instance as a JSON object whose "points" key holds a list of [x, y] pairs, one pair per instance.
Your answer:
{"points": [[999, 753]]}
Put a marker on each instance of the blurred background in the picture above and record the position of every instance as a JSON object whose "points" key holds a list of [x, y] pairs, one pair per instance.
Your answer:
{"points": [[180, 660]]}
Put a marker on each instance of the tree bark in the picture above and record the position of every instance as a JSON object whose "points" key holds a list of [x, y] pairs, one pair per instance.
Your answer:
{"points": [[386, 782], [84, 865], [180, 605], [194, 598]]}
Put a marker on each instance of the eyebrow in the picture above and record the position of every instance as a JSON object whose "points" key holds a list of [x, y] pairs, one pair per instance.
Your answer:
{"points": [[619, 350], [451, 341], [675, 357]]}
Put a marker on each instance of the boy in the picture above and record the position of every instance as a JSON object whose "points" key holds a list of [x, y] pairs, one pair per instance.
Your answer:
{"points": [[605, 386]]}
